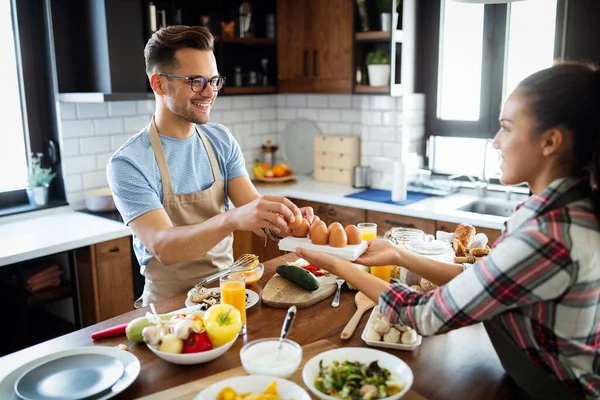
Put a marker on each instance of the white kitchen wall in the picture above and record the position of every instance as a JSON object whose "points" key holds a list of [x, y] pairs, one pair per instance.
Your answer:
{"points": [[388, 127]]}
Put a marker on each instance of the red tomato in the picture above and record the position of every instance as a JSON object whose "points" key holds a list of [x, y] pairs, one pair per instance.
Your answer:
{"points": [[196, 343]]}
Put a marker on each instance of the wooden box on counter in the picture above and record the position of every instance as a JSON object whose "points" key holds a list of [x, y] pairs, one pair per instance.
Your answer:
{"points": [[335, 158]]}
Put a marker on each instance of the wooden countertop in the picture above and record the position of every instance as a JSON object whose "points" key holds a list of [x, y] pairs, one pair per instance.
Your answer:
{"points": [[458, 365]]}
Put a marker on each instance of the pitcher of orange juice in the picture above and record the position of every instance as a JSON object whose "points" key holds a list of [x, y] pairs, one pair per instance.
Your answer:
{"points": [[368, 231], [233, 292]]}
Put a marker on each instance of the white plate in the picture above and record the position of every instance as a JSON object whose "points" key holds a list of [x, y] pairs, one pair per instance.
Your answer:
{"points": [[255, 384], [350, 252], [193, 358], [400, 371], [130, 363], [253, 298], [378, 343], [433, 248]]}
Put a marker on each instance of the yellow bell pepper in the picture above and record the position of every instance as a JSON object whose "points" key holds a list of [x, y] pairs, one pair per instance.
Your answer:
{"points": [[223, 322]]}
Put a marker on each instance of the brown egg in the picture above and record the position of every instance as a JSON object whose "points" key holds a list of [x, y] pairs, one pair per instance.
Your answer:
{"points": [[354, 235], [296, 223], [335, 226], [337, 237], [315, 219], [319, 234], [302, 229]]}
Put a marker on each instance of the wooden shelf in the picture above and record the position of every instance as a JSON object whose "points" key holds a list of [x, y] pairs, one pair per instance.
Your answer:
{"points": [[51, 294], [372, 36], [249, 89], [371, 89], [246, 40]]}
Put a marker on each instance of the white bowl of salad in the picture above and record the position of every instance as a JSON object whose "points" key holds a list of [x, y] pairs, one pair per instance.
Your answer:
{"points": [[357, 373]]}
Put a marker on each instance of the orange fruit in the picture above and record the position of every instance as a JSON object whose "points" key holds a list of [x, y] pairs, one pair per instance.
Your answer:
{"points": [[278, 170], [265, 166]]}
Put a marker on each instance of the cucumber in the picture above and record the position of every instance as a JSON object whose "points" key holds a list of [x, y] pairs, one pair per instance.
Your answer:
{"points": [[135, 327], [298, 276]]}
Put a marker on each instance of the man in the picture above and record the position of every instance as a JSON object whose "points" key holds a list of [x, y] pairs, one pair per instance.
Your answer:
{"points": [[171, 181]]}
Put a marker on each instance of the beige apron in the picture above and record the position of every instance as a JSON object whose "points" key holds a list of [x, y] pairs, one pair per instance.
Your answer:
{"points": [[164, 281]]}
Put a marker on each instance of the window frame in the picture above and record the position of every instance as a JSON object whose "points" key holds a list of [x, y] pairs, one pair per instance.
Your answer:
{"points": [[35, 64]]}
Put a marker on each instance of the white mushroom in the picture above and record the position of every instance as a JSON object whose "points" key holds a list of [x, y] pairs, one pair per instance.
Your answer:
{"points": [[377, 314], [393, 336], [401, 328], [409, 337], [183, 328], [151, 335], [382, 326], [372, 335]]}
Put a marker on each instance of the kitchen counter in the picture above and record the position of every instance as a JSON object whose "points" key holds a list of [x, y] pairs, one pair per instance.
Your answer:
{"points": [[460, 364], [434, 207], [39, 234]]}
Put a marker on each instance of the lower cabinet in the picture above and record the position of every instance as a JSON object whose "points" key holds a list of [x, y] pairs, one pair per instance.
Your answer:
{"points": [[492, 234], [104, 277], [333, 213], [386, 221]]}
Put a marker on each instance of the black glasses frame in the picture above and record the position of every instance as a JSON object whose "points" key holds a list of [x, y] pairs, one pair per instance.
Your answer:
{"points": [[216, 82]]}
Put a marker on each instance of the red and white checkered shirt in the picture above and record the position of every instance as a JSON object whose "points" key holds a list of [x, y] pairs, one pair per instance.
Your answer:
{"points": [[541, 281]]}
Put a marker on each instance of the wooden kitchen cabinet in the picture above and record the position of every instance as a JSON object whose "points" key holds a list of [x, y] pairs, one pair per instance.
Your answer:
{"points": [[492, 234], [314, 46], [105, 281], [333, 213], [386, 221]]}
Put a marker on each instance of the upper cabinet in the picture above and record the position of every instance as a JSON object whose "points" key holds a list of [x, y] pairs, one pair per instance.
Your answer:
{"points": [[314, 46]]}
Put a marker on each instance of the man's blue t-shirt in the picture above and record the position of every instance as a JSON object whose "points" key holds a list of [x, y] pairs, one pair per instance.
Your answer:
{"points": [[134, 178]]}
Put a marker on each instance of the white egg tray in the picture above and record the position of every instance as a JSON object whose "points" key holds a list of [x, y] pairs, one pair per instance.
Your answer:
{"points": [[381, 343], [350, 252]]}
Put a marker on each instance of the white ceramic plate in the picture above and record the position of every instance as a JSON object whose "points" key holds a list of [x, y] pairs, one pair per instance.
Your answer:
{"points": [[130, 363], [400, 371], [253, 298], [255, 384], [377, 343], [193, 358], [297, 145], [350, 252]]}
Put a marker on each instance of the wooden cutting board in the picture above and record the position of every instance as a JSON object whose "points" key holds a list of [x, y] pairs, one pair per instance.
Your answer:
{"points": [[189, 390], [281, 293]]}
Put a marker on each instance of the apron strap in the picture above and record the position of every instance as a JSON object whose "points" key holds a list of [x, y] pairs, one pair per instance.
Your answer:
{"points": [[161, 159], [211, 156]]}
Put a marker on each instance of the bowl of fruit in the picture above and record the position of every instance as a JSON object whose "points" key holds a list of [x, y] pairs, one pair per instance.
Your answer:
{"points": [[264, 172], [194, 339]]}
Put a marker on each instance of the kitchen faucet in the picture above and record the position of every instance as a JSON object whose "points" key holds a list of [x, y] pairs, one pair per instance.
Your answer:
{"points": [[480, 184]]}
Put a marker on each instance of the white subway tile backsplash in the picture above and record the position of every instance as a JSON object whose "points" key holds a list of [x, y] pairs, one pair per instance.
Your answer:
{"points": [[260, 101], [296, 100], [324, 127], [70, 147], [415, 101], [77, 128], [78, 164], [92, 110], [241, 102], [286, 113], [395, 150], [360, 102], [350, 116], [261, 128], [382, 134], [68, 111], [371, 117], [223, 103], [251, 115], [317, 100], [411, 118], [107, 126], [73, 183], [253, 142], [308, 113], [122, 108], [389, 118], [340, 101], [382, 103], [340, 128], [371, 148], [382, 164], [117, 141], [216, 117], [268, 113], [328, 115], [93, 180], [229, 117], [241, 130], [136, 124], [145, 106], [102, 160], [94, 145], [281, 125], [281, 101]]}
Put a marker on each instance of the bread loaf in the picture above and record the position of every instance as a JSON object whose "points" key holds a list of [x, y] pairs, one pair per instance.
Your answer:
{"points": [[426, 285], [464, 233], [459, 249], [479, 251]]}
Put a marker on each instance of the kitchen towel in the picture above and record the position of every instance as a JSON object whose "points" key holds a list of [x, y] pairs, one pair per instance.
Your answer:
{"points": [[385, 196], [399, 183]]}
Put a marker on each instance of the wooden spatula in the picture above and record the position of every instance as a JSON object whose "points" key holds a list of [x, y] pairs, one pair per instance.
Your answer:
{"points": [[363, 303]]}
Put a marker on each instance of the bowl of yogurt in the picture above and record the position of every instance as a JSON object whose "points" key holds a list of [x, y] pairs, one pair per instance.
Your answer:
{"points": [[262, 357]]}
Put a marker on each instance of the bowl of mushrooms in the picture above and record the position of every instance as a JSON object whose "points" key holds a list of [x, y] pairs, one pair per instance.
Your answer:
{"points": [[380, 332]]}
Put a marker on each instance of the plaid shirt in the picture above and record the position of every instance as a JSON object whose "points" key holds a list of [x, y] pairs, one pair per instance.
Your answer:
{"points": [[541, 281]]}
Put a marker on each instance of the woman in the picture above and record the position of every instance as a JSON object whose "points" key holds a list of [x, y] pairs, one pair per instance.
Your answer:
{"points": [[539, 288]]}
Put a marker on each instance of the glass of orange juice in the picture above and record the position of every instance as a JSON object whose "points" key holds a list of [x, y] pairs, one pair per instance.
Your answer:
{"points": [[233, 292], [383, 272], [368, 230]]}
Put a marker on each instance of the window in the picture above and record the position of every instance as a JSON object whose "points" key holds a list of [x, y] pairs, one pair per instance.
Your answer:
{"points": [[13, 153], [480, 54], [28, 104]]}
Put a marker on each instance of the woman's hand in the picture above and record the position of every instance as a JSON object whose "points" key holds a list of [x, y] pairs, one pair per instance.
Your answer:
{"points": [[322, 260], [308, 213], [379, 252]]}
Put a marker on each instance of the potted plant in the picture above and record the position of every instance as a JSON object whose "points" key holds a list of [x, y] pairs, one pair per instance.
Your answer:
{"points": [[38, 179], [378, 65]]}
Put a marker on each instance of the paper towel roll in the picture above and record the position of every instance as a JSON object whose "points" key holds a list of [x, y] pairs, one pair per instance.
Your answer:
{"points": [[399, 183]]}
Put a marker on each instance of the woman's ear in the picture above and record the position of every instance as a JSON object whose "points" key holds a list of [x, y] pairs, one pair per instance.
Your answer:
{"points": [[553, 141], [156, 84]]}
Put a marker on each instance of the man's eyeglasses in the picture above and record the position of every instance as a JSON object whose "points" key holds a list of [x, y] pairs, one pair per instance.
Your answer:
{"points": [[199, 83]]}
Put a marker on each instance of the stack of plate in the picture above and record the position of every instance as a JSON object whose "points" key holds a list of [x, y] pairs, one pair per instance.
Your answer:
{"points": [[95, 372], [435, 249]]}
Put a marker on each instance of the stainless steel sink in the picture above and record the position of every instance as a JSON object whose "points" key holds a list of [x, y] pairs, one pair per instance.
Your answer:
{"points": [[490, 207]]}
